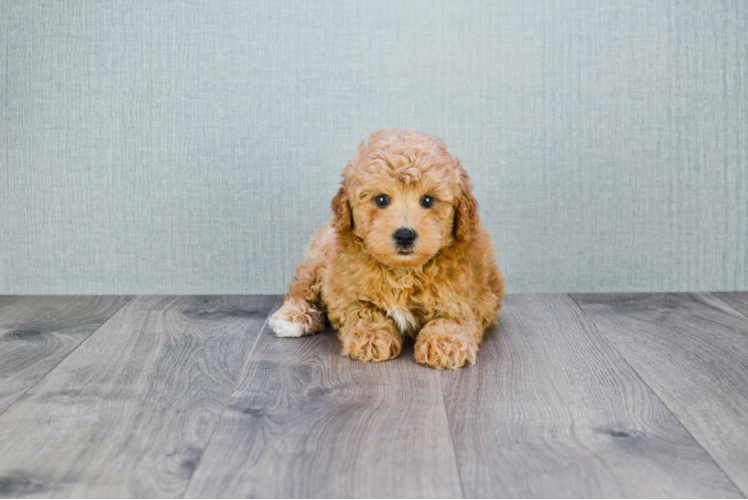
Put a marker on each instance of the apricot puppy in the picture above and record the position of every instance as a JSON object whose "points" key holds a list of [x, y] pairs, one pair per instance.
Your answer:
{"points": [[404, 255]]}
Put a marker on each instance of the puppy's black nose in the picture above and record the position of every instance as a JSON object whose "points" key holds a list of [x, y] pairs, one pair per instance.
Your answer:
{"points": [[404, 237]]}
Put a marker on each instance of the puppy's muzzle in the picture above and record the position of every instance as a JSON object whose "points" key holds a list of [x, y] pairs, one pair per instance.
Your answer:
{"points": [[404, 237]]}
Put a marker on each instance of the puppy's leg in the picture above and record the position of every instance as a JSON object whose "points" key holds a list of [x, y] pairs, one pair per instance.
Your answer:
{"points": [[448, 343], [301, 313], [295, 318], [368, 334]]}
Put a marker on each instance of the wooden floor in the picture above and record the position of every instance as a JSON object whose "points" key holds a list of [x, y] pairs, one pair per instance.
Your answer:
{"points": [[626, 395]]}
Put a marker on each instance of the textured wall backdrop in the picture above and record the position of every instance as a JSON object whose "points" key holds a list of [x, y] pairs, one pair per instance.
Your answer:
{"points": [[193, 147]]}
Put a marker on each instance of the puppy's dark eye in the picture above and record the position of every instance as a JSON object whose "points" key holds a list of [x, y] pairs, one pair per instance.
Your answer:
{"points": [[382, 200], [427, 201]]}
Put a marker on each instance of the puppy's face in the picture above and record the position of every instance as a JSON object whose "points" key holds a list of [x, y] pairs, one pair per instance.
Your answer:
{"points": [[403, 224], [405, 197]]}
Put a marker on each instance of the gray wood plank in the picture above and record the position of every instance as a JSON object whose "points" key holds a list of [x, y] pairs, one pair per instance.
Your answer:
{"points": [[130, 411], [552, 410], [692, 350], [36, 333], [308, 422], [738, 300]]}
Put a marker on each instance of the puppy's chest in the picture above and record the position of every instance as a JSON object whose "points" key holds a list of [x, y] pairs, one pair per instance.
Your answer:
{"points": [[406, 321], [408, 311]]}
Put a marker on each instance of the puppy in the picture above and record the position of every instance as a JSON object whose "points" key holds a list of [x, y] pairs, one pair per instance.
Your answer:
{"points": [[405, 255]]}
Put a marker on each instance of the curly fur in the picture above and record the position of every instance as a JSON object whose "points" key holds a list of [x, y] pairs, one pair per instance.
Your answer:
{"points": [[445, 290]]}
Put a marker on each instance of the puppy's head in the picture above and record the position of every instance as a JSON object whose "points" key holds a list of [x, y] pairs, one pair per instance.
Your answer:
{"points": [[405, 197]]}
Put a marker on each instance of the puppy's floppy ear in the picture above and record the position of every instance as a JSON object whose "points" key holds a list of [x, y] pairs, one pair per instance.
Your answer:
{"points": [[343, 219], [466, 212]]}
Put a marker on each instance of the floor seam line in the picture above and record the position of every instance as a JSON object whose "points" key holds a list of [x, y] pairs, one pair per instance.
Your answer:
{"points": [[638, 375], [231, 395], [711, 294], [451, 437], [66, 356]]}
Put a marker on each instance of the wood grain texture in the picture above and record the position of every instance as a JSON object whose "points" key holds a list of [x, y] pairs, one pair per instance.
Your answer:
{"points": [[308, 422], [36, 333], [737, 300], [129, 413], [552, 410], [692, 350]]}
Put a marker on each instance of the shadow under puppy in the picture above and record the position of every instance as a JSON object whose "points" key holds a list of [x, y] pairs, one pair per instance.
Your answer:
{"points": [[404, 255]]}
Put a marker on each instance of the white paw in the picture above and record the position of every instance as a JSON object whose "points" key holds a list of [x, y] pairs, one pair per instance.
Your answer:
{"points": [[283, 328]]}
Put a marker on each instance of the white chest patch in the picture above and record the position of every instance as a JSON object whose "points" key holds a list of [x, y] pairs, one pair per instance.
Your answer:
{"points": [[406, 323]]}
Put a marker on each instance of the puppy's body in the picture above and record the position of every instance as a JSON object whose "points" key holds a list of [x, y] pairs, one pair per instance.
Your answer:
{"points": [[443, 287]]}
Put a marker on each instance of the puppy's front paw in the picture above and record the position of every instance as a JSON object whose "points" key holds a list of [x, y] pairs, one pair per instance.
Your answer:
{"points": [[445, 350], [297, 317], [371, 345]]}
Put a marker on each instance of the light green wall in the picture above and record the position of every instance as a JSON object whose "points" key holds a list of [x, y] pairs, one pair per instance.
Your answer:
{"points": [[193, 147]]}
